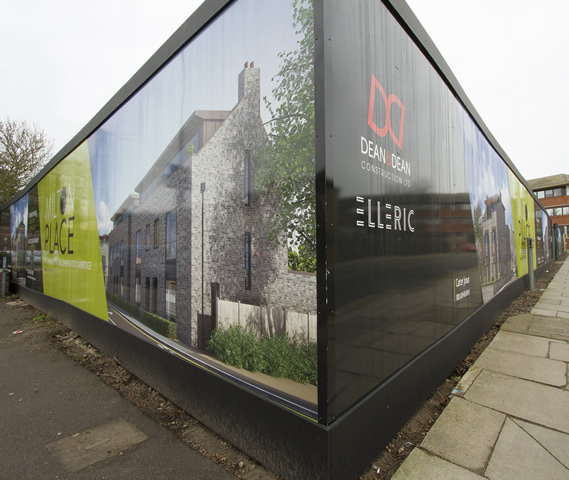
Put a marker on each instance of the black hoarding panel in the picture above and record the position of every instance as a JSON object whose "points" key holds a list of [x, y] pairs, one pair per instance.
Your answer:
{"points": [[400, 237]]}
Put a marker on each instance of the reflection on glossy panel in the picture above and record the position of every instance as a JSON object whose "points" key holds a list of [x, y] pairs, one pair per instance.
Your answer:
{"points": [[204, 187], [422, 222]]}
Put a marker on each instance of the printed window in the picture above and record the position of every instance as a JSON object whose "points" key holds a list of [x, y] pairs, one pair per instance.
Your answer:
{"points": [[138, 247], [171, 235], [156, 233], [248, 260], [247, 180], [147, 237], [171, 300]]}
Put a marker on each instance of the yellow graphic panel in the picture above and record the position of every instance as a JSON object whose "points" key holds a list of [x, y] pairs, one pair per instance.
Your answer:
{"points": [[71, 256], [524, 222]]}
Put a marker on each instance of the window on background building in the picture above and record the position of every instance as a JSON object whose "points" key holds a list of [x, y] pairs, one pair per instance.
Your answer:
{"points": [[540, 194], [171, 300], [154, 306], [156, 233], [493, 242], [137, 288], [248, 260], [171, 235], [549, 211], [247, 180], [147, 237], [122, 253], [548, 193], [147, 294], [565, 210], [558, 211], [138, 259]]}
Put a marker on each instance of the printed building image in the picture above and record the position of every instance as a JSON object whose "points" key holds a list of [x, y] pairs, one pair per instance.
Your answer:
{"points": [[496, 245], [194, 234]]}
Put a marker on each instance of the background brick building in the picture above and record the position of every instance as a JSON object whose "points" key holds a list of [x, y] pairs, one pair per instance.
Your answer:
{"points": [[553, 192], [196, 225]]}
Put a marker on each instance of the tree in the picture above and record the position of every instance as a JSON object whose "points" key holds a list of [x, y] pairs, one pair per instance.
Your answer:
{"points": [[287, 167], [24, 150]]}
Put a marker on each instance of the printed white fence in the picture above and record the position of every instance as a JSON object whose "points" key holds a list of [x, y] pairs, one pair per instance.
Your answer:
{"points": [[265, 320]]}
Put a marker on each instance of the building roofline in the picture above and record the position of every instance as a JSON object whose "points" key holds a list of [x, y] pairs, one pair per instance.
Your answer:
{"points": [[561, 179]]}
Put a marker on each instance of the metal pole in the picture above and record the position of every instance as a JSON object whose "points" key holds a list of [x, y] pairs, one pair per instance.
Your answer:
{"points": [[530, 264], [202, 188], [3, 276]]}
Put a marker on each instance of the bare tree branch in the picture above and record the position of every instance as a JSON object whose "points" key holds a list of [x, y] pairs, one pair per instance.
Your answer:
{"points": [[24, 150]]}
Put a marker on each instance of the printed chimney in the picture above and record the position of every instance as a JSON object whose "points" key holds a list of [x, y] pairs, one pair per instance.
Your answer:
{"points": [[249, 85]]}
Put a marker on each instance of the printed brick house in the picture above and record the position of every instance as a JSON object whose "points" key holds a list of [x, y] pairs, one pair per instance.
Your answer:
{"points": [[196, 225], [496, 245]]}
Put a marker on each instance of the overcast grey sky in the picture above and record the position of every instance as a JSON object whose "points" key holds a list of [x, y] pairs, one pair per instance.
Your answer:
{"points": [[512, 59], [62, 60]]}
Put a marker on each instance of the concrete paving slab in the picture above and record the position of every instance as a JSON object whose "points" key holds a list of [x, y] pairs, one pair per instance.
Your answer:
{"points": [[529, 367], [526, 344], [543, 312], [549, 301], [559, 351], [553, 296], [537, 403], [467, 379], [83, 449], [559, 308], [550, 327], [420, 465], [554, 442], [518, 456], [550, 307], [518, 323], [465, 434]]}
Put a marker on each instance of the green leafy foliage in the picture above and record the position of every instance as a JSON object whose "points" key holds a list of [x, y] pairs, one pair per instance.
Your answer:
{"points": [[41, 317], [300, 261], [287, 158], [274, 355]]}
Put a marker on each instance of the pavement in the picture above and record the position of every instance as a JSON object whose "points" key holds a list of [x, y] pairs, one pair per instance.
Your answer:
{"points": [[59, 421], [509, 415], [508, 418]]}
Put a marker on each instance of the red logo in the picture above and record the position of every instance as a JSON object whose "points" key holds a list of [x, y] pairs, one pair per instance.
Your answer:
{"points": [[388, 101]]}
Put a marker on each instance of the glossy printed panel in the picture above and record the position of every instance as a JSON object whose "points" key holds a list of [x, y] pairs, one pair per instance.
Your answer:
{"points": [[70, 254], [425, 222], [19, 239], [401, 240], [204, 191], [489, 187]]}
